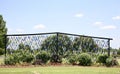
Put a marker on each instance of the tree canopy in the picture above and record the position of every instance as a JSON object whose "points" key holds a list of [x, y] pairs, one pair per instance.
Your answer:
{"points": [[57, 45], [3, 31], [84, 44], [64, 43]]}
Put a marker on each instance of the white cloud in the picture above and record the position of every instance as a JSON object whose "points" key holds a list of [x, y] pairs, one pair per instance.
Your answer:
{"points": [[98, 23], [102, 26], [19, 30], [116, 18], [79, 15], [108, 27], [40, 26]]}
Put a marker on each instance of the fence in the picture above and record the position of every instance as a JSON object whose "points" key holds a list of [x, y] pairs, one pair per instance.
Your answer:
{"points": [[57, 43]]}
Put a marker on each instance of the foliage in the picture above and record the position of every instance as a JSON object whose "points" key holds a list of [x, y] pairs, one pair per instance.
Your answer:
{"points": [[25, 51], [27, 57], [67, 54], [43, 56], [56, 58], [3, 31], [9, 61], [84, 59], [53, 43], [19, 56], [102, 58], [24, 47], [111, 61], [12, 59], [21, 46], [1, 51], [73, 58], [84, 44], [65, 61]]}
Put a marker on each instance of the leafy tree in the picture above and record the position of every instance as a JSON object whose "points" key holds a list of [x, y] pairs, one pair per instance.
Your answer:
{"points": [[57, 45], [102, 58], [84, 44], [3, 31]]}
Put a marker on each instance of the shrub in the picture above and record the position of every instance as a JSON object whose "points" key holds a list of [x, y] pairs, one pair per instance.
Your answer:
{"points": [[16, 57], [1, 51], [84, 59], [67, 54], [56, 58], [12, 59], [19, 57], [102, 59], [111, 62], [9, 61], [65, 61], [27, 57], [43, 56], [73, 59]]}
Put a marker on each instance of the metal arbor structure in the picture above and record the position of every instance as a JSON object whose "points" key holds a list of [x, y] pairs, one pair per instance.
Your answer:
{"points": [[76, 42]]}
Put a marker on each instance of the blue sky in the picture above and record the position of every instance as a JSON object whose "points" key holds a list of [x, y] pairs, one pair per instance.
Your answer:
{"points": [[85, 17]]}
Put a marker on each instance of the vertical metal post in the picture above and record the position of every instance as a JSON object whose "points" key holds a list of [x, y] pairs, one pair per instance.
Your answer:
{"points": [[108, 47]]}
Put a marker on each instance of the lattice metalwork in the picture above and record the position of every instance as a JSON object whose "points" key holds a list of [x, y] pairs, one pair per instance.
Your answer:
{"points": [[34, 41], [86, 43], [58, 42]]}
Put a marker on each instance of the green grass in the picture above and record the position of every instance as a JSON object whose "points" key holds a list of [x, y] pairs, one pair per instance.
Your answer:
{"points": [[60, 70]]}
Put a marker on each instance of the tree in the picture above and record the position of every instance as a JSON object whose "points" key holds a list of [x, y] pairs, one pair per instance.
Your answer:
{"points": [[84, 44], [3, 31], [57, 45]]}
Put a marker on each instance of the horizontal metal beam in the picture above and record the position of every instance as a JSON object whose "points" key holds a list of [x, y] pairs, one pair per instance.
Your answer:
{"points": [[86, 36], [30, 34], [57, 33]]}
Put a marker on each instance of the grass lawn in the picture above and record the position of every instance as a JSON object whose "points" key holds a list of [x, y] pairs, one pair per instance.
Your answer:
{"points": [[60, 70]]}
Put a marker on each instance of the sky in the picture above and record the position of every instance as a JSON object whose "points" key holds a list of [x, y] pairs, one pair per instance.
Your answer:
{"points": [[99, 18]]}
